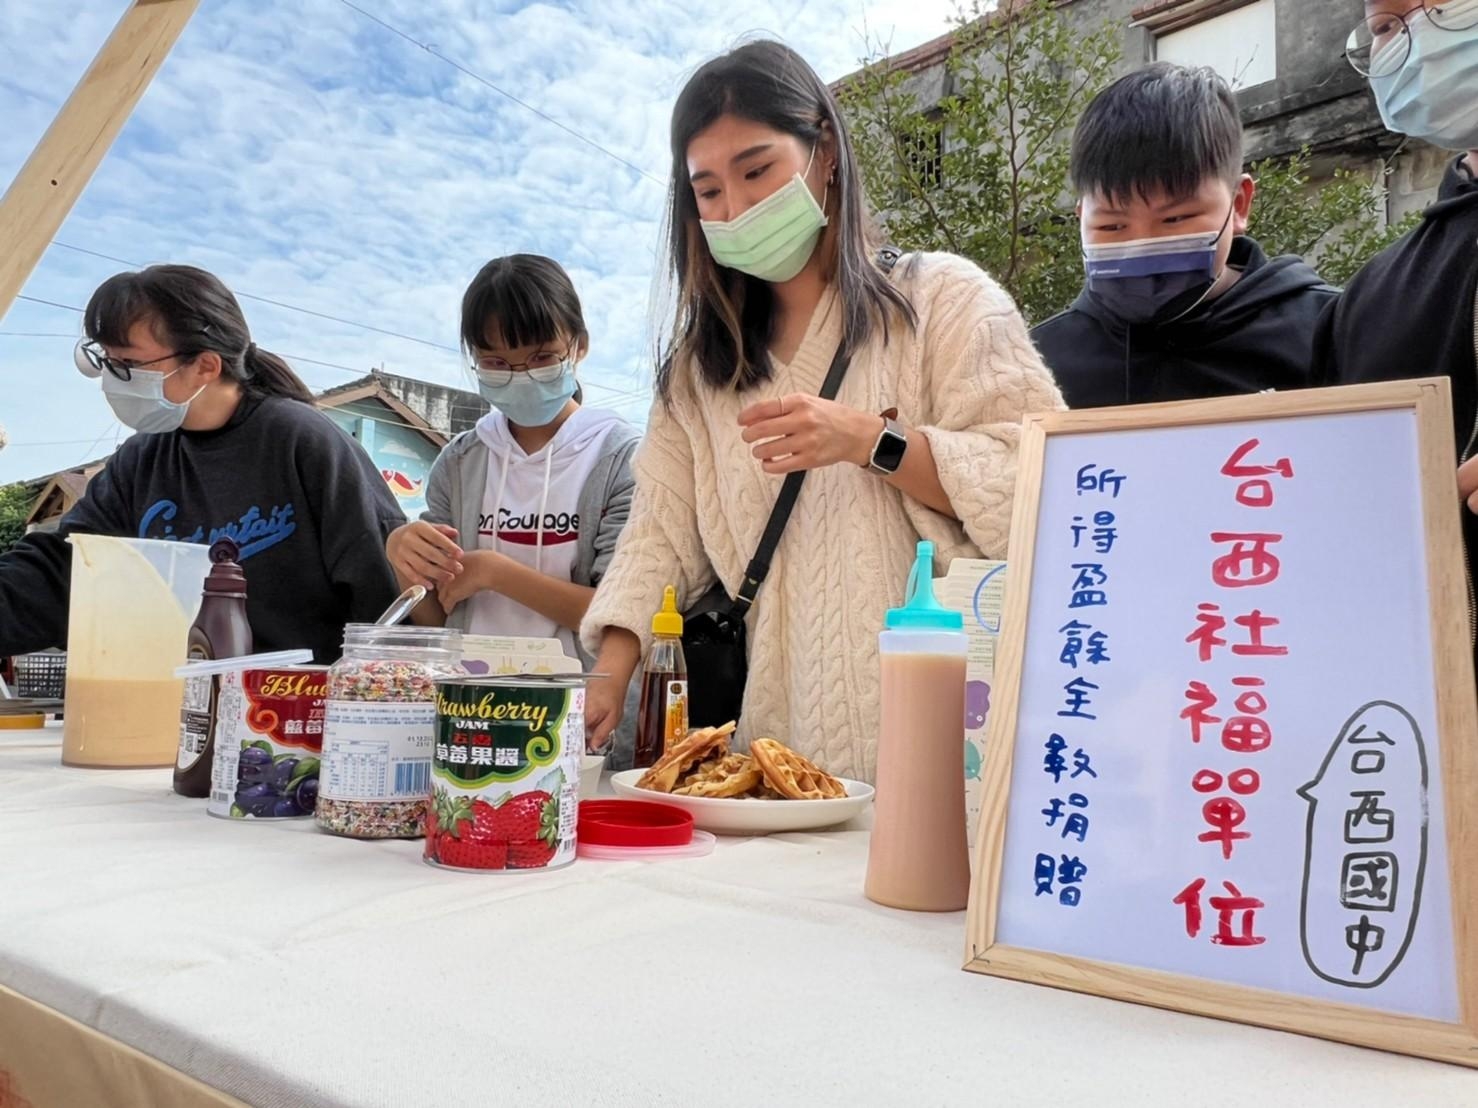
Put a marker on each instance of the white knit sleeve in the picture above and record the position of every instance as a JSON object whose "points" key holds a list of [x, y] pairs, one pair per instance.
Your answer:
{"points": [[660, 545], [980, 374]]}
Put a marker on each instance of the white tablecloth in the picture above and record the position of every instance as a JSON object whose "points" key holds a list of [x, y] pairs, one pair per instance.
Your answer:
{"points": [[287, 967]]}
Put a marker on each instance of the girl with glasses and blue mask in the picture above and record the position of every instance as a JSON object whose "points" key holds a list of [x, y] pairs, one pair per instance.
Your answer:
{"points": [[1413, 310], [523, 511], [229, 445], [778, 283]]}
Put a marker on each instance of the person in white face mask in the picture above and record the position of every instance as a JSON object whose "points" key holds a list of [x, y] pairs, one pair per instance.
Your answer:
{"points": [[228, 444], [523, 512], [780, 288], [1413, 310]]}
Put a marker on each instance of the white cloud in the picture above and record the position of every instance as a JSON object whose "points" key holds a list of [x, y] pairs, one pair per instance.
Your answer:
{"points": [[306, 154]]}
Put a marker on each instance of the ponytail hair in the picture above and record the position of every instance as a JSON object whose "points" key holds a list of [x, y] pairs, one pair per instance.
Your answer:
{"points": [[191, 311], [268, 374]]}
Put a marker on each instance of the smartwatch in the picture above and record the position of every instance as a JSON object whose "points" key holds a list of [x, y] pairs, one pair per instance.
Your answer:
{"points": [[887, 452]]}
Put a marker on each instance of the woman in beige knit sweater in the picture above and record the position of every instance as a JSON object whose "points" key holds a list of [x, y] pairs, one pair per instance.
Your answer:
{"points": [[774, 268]]}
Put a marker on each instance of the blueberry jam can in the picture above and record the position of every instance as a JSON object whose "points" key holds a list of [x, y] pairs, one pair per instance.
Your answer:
{"points": [[269, 734], [505, 772]]}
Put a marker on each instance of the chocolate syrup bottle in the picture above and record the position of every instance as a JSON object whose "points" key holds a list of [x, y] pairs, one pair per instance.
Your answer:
{"points": [[221, 630]]}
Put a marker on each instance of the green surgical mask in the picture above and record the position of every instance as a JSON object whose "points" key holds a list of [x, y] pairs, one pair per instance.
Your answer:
{"points": [[774, 240]]}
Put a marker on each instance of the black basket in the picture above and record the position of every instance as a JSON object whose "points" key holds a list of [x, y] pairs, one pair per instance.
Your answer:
{"points": [[43, 676]]}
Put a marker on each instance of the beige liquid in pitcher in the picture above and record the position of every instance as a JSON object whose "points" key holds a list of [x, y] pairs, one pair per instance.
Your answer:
{"points": [[121, 723], [918, 858]]}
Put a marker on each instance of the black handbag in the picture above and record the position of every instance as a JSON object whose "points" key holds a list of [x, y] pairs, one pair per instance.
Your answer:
{"points": [[715, 639]]}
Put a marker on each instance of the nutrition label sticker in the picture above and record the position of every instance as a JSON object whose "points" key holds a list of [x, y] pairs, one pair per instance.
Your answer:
{"points": [[376, 752]]}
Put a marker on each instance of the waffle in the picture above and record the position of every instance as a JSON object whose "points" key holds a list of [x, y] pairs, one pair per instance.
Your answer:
{"points": [[793, 776], [730, 776], [697, 746]]}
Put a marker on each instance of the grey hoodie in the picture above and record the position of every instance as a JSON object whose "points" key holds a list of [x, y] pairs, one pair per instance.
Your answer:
{"points": [[458, 482]]}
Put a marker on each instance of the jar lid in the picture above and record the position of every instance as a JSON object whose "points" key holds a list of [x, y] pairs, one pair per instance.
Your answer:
{"points": [[402, 634], [274, 660], [701, 846], [633, 823]]}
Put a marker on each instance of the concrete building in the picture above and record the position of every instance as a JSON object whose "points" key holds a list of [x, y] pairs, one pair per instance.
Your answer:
{"points": [[1284, 57], [402, 424]]}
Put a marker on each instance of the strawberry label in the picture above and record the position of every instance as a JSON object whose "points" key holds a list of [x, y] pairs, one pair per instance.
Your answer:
{"points": [[505, 772]]}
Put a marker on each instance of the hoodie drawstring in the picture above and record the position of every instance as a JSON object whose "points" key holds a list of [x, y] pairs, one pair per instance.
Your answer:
{"points": [[543, 507], [498, 500]]}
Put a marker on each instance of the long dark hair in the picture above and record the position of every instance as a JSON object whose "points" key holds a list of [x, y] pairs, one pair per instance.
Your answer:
{"points": [[191, 311], [723, 319]]}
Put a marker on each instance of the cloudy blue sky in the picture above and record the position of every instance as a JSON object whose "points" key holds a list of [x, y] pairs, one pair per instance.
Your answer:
{"points": [[309, 155]]}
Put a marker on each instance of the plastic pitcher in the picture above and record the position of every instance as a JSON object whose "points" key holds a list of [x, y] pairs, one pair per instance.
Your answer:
{"points": [[133, 601]]}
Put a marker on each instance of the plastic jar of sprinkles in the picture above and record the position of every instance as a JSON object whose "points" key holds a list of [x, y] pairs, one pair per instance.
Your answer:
{"points": [[379, 730]]}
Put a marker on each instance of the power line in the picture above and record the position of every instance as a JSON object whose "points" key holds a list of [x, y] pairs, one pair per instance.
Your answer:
{"points": [[51, 304], [95, 442], [613, 392], [57, 442], [274, 303], [619, 393], [480, 79]]}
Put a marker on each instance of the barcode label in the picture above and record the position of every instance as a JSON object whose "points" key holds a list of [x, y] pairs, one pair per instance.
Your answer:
{"points": [[412, 778]]}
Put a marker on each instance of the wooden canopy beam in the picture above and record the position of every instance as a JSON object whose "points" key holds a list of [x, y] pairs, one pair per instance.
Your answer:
{"points": [[48, 185]]}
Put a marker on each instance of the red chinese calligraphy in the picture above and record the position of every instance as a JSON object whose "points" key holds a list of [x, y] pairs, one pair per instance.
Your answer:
{"points": [[1243, 782], [1223, 815], [1256, 623], [1248, 732], [1198, 711], [1210, 623], [1206, 636], [1226, 908], [1249, 562], [1257, 492]]}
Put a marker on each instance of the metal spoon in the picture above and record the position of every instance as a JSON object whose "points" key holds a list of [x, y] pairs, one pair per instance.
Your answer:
{"points": [[404, 604]]}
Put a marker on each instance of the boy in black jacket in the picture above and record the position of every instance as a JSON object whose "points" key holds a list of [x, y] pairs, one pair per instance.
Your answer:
{"points": [[1413, 310], [1179, 302]]}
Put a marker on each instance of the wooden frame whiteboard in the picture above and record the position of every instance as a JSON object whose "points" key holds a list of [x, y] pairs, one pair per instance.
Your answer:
{"points": [[1457, 718]]}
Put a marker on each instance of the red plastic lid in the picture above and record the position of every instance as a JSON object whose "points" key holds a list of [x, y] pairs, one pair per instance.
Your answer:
{"points": [[633, 823]]}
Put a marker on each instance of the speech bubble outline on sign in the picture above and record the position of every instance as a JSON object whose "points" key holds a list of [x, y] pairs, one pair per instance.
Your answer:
{"points": [[1365, 848]]}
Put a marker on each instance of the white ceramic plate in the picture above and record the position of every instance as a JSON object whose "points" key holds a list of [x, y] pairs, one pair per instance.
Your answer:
{"points": [[754, 817]]}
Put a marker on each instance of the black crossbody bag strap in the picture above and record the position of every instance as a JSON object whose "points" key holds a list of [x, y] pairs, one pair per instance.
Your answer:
{"points": [[790, 491]]}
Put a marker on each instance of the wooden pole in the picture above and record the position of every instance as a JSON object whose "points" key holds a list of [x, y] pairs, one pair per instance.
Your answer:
{"points": [[38, 200]]}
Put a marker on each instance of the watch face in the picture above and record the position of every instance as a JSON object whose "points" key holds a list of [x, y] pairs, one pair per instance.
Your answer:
{"points": [[888, 455]]}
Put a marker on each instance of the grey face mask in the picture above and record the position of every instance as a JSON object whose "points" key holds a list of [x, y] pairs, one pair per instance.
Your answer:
{"points": [[140, 402], [1154, 280]]}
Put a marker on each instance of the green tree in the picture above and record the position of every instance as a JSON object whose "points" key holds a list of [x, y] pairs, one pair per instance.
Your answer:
{"points": [[1336, 224], [15, 505], [984, 172]]}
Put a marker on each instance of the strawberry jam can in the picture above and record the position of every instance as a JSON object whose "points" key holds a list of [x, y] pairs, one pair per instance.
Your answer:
{"points": [[268, 738], [505, 772]]}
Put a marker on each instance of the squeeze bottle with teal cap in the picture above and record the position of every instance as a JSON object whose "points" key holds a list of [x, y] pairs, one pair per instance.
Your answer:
{"points": [[918, 858]]}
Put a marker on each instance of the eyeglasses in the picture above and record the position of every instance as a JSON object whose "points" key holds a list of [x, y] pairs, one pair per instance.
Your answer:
{"points": [[545, 367], [92, 354], [1380, 44]]}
